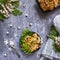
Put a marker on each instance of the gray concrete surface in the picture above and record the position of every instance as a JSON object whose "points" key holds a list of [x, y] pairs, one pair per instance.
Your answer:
{"points": [[41, 24]]}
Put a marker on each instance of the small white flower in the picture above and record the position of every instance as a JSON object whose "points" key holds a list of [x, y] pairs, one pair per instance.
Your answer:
{"points": [[18, 27], [5, 42], [9, 49], [56, 38], [5, 55], [56, 42], [7, 33], [11, 43]]}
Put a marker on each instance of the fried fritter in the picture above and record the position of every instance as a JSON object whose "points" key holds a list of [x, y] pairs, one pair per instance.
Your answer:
{"points": [[48, 4], [34, 42]]}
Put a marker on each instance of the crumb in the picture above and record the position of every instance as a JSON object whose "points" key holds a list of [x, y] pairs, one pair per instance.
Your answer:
{"points": [[30, 24], [26, 15], [18, 27], [6, 42], [7, 33], [9, 49], [11, 43], [10, 25], [5, 55], [24, 5]]}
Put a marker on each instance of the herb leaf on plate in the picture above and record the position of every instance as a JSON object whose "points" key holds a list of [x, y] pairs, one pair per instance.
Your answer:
{"points": [[1, 17], [7, 6], [25, 46], [53, 34], [55, 47], [16, 12], [3, 1], [53, 31], [16, 4]]}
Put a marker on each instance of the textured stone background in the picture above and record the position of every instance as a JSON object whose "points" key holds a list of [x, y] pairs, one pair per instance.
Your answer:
{"points": [[41, 24]]}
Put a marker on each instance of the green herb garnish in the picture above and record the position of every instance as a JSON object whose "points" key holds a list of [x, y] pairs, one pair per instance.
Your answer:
{"points": [[53, 31], [12, 7], [52, 35], [24, 46], [3, 1], [16, 12], [1, 17], [56, 49], [16, 4]]}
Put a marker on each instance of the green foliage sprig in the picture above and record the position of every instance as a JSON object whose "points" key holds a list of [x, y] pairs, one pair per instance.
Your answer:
{"points": [[15, 11], [53, 33], [24, 46]]}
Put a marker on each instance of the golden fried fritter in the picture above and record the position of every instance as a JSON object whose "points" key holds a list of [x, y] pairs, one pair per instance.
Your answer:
{"points": [[34, 42], [48, 4]]}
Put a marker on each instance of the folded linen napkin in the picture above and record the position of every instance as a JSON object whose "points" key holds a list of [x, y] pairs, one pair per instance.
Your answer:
{"points": [[49, 52]]}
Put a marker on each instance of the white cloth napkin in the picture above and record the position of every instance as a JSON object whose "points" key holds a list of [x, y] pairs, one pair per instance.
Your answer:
{"points": [[49, 52]]}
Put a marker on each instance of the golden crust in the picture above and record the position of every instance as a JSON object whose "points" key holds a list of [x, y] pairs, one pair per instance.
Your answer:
{"points": [[34, 42], [48, 4], [59, 2]]}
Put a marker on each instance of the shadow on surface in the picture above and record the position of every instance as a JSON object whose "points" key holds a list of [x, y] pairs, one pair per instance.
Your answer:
{"points": [[46, 14]]}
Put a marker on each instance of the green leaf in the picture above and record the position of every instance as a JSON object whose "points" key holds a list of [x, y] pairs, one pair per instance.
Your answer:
{"points": [[23, 35], [3, 1], [25, 48], [16, 12], [56, 48], [1, 7], [1, 17], [25, 31], [22, 43], [16, 4], [51, 36], [53, 31]]}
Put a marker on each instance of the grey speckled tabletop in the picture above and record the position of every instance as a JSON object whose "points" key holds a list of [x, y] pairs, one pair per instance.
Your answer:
{"points": [[41, 24]]}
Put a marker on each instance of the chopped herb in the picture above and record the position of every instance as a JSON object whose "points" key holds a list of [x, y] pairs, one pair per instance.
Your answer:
{"points": [[56, 48], [16, 4], [16, 12], [1, 7], [24, 46], [53, 31], [52, 35], [1, 17], [26, 32], [12, 6], [3, 1]]}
